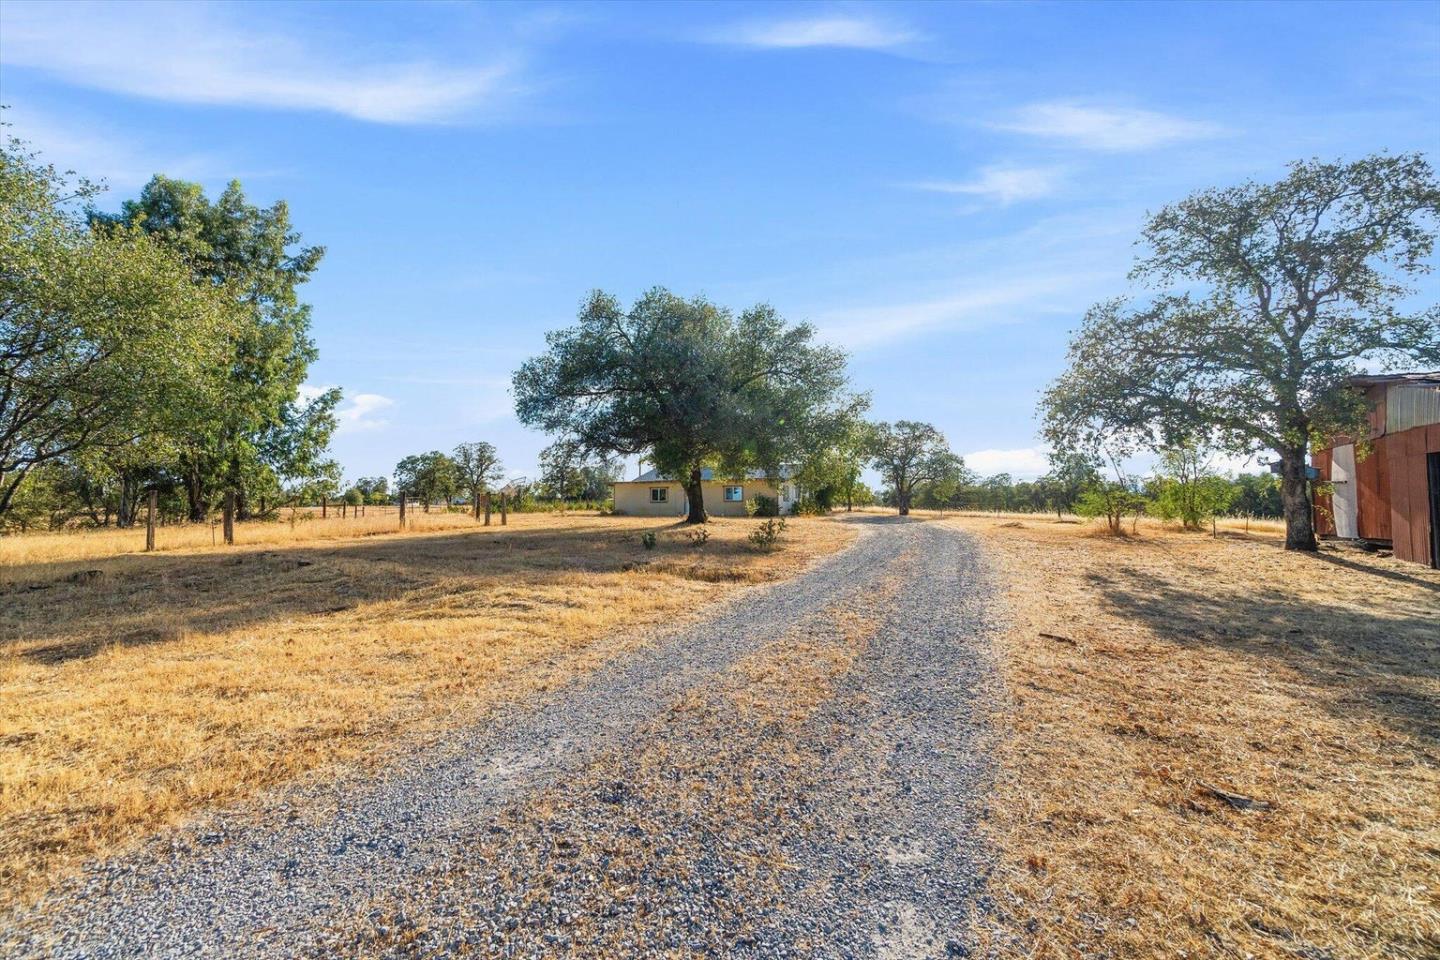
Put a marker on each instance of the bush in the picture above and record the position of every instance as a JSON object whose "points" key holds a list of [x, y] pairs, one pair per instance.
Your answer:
{"points": [[647, 539], [809, 507], [767, 534], [763, 506], [698, 538]]}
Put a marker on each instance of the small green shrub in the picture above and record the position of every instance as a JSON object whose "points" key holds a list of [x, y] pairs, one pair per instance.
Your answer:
{"points": [[767, 535], [647, 539], [763, 506]]}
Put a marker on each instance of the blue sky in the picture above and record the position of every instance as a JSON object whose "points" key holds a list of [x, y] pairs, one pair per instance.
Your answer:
{"points": [[942, 189]]}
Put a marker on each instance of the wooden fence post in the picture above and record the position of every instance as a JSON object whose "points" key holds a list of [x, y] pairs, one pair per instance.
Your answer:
{"points": [[504, 509], [486, 498], [150, 520], [402, 511], [324, 506], [229, 517]]}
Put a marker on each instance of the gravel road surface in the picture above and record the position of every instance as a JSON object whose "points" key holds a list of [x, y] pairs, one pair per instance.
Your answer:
{"points": [[796, 774]]}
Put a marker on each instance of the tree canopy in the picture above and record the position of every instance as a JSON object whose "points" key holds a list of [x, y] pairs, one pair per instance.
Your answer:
{"points": [[259, 430], [105, 338], [687, 383], [1287, 288]]}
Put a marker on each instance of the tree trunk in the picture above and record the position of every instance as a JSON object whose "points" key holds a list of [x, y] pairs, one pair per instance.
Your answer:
{"points": [[194, 495], [124, 515], [902, 500], [1295, 494], [694, 492], [229, 517]]}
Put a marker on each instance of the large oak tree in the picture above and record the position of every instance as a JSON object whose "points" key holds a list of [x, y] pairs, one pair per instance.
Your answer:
{"points": [[909, 453], [1273, 295], [687, 383]]}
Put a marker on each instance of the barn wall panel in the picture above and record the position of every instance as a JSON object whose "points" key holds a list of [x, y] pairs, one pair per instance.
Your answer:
{"points": [[1419, 495], [1399, 496], [1372, 495], [1383, 526], [1412, 506]]}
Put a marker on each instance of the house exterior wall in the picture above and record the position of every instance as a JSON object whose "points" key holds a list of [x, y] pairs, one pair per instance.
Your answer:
{"points": [[633, 499]]}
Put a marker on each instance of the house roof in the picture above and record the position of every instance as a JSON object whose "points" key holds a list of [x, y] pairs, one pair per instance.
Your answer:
{"points": [[707, 475]]}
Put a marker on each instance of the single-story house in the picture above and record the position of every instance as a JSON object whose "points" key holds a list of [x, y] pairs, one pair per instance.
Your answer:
{"points": [[1391, 495], [653, 495]]}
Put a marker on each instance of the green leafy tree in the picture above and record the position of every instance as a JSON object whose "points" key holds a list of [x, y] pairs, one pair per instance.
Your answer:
{"points": [[430, 476], [908, 453], [259, 425], [1070, 474], [1294, 287], [375, 490], [686, 383], [477, 468], [1258, 495], [1187, 489], [105, 339], [830, 472], [1113, 500]]}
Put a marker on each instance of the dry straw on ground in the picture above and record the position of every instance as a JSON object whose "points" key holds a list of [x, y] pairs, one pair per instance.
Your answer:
{"points": [[1214, 748], [139, 688]]}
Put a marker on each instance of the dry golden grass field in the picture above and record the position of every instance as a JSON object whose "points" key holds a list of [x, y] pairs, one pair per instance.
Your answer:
{"points": [[138, 688], [1147, 678]]}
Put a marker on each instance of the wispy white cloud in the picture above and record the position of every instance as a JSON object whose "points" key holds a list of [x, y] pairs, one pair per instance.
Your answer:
{"points": [[982, 303], [118, 156], [208, 57], [1114, 129], [356, 413], [1002, 185], [360, 413], [838, 30], [1021, 463]]}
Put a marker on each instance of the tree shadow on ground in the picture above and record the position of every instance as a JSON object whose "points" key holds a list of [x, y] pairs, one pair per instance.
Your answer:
{"points": [[60, 611], [1381, 663]]}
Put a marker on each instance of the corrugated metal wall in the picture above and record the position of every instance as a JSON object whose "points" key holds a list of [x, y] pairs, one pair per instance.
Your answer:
{"points": [[1411, 405]]}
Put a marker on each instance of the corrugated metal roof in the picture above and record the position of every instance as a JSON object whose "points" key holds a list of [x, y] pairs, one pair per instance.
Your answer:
{"points": [[707, 475], [1419, 377]]}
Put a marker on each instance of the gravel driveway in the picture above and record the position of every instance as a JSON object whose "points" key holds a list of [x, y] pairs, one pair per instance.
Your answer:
{"points": [[794, 775]]}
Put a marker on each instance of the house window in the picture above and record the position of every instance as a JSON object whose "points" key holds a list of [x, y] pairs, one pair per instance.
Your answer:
{"points": [[659, 494], [734, 494]]}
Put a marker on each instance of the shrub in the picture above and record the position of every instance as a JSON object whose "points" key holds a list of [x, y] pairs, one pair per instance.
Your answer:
{"points": [[763, 506], [647, 539], [809, 507], [767, 534], [698, 538]]}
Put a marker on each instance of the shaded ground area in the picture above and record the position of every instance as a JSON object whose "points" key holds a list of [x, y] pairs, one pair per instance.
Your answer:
{"points": [[793, 774], [1214, 745]]}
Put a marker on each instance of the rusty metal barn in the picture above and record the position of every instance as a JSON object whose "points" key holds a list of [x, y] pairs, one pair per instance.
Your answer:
{"points": [[1386, 489]]}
